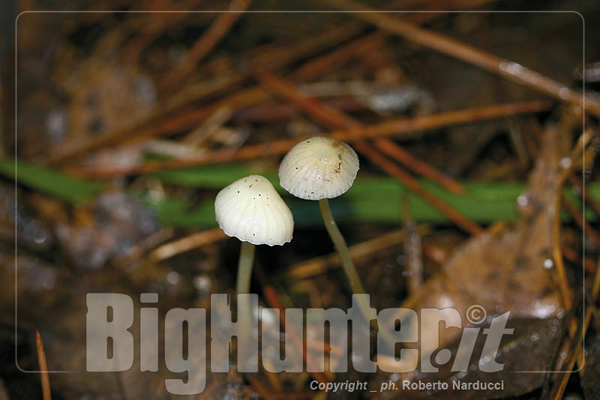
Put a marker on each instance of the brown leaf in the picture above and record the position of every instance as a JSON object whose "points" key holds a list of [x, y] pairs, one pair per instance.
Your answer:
{"points": [[505, 272]]}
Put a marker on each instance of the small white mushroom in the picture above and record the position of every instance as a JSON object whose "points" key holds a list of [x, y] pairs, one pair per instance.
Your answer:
{"points": [[319, 168], [322, 168], [251, 210]]}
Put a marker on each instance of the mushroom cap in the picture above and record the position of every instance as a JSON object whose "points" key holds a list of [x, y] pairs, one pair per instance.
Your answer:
{"points": [[251, 210], [319, 168]]}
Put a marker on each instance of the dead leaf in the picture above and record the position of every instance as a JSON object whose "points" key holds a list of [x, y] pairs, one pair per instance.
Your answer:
{"points": [[506, 271]]}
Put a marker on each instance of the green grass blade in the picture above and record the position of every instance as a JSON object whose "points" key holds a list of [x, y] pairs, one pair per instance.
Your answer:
{"points": [[51, 182]]}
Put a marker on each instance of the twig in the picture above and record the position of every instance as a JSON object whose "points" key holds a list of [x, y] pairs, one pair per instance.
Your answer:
{"points": [[187, 243], [397, 172], [39, 344], [198, 136], [333, 119], [580, 221], [319, 265], [413, 249], [255, 95], [157, 23], [272, 299], [145, 125], [454, 48], [582, 142], [268, 112], [396, 152], [399, 127], [329, 117], [576, 182], [574, 347], [143, 246], [206, 43], [577, 342], [572, 256], [339, 56]]}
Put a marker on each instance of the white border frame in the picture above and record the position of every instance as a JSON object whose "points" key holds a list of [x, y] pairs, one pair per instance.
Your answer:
{"points": [[298, 12]]}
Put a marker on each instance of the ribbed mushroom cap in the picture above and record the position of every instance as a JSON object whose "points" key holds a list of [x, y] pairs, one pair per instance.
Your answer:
{"points": [[319, 168], [251, 210]]}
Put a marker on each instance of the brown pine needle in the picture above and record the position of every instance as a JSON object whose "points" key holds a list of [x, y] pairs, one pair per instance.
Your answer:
{"points": [[577, 341], [272, 299], [580, 221], [574, 257], [557, 255], [149, 124], [206, 43], [335, 119], [43, 366], [577, 182], [484, 60], [410, 127], [187, 243], [318, 265], [337, 57], [413, 184], [395, 151]]}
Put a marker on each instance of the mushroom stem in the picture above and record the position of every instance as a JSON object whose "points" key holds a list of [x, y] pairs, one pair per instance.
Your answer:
{"points": [[341, 247], [244, 312], [245, 268], [349, 268]]}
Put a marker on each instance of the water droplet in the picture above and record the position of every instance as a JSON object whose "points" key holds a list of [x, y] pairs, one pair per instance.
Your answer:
{"points": [[522, 200], [564, 93], [173, 278]]}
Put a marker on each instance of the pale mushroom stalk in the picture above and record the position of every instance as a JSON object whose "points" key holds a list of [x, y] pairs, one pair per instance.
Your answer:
{"points": [[245, 264], [342, 248], [322, 168], [245, 267], [251, 210], [347, 264]]}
